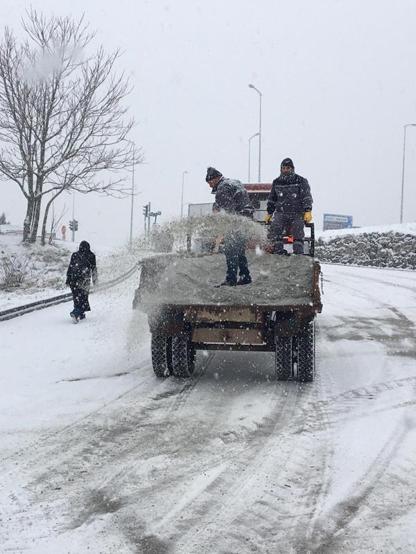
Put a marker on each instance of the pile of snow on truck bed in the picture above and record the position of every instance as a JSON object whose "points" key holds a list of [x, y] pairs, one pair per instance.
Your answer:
{"points": [[181, 280]]}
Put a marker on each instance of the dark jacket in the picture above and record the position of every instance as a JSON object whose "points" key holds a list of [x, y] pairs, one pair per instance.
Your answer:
{"points": [[232, 197], [82, 268], [290, 194]]}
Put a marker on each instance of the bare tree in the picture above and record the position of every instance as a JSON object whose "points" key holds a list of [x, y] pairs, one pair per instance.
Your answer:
{"points": [[63, 118]]}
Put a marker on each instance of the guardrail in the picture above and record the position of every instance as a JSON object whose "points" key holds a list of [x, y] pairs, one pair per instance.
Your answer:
{"points": [[54, 300]]}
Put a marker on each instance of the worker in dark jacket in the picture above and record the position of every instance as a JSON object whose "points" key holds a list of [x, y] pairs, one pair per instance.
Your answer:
{"points": [[82, 268], [291, 202], [232, 197]]}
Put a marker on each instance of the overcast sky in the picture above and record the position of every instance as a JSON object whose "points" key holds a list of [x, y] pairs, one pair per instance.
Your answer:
{"points": [[338, 84]]}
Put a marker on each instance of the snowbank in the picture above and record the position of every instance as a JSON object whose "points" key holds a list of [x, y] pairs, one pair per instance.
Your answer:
{"points": [[377, 249], [403, 228]]}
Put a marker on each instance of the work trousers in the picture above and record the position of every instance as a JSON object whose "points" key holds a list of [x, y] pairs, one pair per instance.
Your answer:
{"points": [[235, 255], [80, 298], [289, 223]]}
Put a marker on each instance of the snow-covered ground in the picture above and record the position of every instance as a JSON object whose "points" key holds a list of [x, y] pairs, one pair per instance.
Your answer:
{"points": [[98, 455], [45, 267], [404, 228]]}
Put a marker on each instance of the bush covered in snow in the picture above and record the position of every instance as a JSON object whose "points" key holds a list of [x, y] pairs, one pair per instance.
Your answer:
{"points": [[32, 267], [389, 249], [13, 271]]}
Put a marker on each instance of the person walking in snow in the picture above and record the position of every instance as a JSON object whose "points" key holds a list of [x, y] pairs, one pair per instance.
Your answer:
{"points": [[82, 268], [232, 197], [291, 202]]}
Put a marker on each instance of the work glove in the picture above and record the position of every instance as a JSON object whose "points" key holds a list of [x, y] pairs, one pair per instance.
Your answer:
{"points": [[268, 218], [307, 216]]}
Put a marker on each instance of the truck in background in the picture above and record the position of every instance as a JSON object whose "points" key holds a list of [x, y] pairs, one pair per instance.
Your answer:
{"points": [[258, 193]]}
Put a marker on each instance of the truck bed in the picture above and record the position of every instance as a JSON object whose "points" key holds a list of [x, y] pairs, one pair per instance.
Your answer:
{"points": [[278, 282]]}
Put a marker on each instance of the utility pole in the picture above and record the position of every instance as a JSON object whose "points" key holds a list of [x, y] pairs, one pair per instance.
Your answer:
{"points": [[260, 98], [148, 220], [132, 203], [249, 155], [146, 214], [403, 166], [183, 184]]}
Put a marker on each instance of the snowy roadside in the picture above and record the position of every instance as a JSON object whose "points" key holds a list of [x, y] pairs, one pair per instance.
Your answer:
{"points": [[402, 228], [44, 268], [389, 246], [80, 367]]}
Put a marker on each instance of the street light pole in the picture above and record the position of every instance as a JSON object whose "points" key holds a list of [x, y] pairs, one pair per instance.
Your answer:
{"points": [[132, 204], [259, 134], [183, 183], [132, 198], [249, 155], [403, 166]]}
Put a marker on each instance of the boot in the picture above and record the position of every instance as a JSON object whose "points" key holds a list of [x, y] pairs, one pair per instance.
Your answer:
{"points": [[74, 317], [244, 280], [226, 284]]}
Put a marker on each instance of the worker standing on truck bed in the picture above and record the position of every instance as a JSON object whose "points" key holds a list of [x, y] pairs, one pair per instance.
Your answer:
{"points": [[291, 202], [232, 197]]}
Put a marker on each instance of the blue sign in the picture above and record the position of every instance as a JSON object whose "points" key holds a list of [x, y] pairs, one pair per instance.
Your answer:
{"points": [[337, 221]]}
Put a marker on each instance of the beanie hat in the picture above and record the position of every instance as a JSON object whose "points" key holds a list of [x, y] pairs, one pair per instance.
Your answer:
{"points": [[288, 162], [212, 173]]}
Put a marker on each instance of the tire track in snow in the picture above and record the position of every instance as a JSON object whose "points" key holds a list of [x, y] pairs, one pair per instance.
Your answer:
{"points": [[116, 480], [385, 477], [254, 488], [341, 407], [48, 470], [293, 488], [183, 395], [329, 530], [107, 448]]}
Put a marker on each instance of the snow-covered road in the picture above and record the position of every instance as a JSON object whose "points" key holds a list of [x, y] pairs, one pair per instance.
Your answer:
{"points": [[98, 455]]}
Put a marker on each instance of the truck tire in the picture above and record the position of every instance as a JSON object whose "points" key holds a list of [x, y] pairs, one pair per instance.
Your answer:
{"points": [[306, 353], [183, 356], [161, 347], [283, 357]]}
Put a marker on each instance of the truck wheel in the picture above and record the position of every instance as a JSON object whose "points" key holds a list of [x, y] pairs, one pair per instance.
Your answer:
{"points": [[161, 347], [183, 356], [306, 353], [283, 357]]}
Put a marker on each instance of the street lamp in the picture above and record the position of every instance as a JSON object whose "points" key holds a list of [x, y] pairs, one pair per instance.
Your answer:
{"points": [[133, 145], [249, 154], [404, 161], [183, 183], [260, 97], [132, 201]]}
